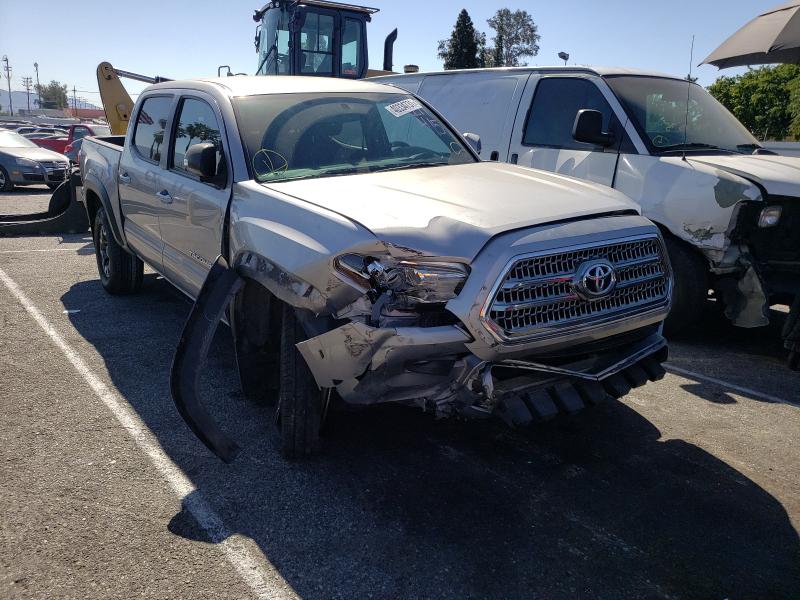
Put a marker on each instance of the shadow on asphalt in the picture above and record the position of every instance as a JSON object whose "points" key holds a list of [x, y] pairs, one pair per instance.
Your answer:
{"points": [[405, 506]]}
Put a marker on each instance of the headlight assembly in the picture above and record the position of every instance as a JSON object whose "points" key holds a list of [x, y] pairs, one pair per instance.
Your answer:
{"points": [[425, 282], [25, 162], [770, 216]]}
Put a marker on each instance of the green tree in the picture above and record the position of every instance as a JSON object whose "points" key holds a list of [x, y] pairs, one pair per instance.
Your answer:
{"points": [[52, 95], [463, 49], [516, 36], [766, 100]]}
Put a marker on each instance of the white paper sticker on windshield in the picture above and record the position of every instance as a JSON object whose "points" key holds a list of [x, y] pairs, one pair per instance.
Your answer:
{"points": [[398, 109]]}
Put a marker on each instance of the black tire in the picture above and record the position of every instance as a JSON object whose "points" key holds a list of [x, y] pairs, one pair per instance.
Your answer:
{"points": [[53, 186], [300, 404], [690, 288], [120, 272], [5, 181]]}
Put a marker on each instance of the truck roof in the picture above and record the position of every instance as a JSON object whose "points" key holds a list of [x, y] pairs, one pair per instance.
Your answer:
{"points": [[252, 85], [601, 71]]}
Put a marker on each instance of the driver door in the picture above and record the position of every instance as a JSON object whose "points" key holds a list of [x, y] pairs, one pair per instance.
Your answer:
{"points": [[543, 137]]}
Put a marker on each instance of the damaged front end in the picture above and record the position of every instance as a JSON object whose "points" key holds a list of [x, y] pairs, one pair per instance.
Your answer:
{"points": [[511, 335]]}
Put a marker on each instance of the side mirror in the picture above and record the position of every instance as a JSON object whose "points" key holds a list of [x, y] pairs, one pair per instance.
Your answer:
{"points": [[588, 128], [474, 140], [201, 160]]}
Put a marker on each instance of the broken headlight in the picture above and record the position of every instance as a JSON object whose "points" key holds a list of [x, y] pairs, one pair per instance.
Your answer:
{"points": [[416, 281]]}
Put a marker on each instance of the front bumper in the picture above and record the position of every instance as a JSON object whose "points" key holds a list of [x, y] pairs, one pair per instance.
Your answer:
{"points": [[55, 174], [432, 367]]}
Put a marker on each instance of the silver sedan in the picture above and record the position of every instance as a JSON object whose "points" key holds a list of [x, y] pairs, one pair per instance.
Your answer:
{"points": [[24, 163]]}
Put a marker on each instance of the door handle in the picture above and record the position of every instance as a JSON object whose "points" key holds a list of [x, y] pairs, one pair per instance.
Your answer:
{"points": [[124, 178], [164, 196]]}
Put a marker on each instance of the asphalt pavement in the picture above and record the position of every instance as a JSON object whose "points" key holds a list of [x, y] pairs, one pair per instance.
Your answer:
{"points": [[687, 488]]}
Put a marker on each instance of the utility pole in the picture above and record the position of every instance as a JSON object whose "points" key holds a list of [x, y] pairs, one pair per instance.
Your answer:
{"points": [[7, 69], [74, 99], [27, 82], [38, 87]]}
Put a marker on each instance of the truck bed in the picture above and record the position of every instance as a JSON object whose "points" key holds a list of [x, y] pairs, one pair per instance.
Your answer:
{"points": [[99, 161]]}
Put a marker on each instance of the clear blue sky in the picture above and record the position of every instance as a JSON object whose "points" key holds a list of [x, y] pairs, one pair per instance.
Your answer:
{"points": [[190, 38]]}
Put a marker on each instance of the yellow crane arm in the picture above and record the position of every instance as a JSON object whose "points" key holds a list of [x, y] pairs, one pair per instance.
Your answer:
{"points": [[117, 103]]}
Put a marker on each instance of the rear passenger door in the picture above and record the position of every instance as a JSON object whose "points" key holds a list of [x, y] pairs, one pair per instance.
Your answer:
{"points": [[139, 168], [543, 132], [193, 211]]}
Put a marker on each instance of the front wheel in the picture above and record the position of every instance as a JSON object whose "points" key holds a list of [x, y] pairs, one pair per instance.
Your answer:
{"points": [[690, 289], [5, 181], [301, 404], [120, 272]]}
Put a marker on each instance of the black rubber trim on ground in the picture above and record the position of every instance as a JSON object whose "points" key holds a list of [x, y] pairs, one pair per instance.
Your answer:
{"points": [[64, 215], [219, 288]]}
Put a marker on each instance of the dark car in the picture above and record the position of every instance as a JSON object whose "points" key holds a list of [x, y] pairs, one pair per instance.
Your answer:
{"points": [[24, 163]]}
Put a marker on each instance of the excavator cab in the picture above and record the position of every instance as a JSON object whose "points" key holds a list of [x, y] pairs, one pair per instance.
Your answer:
{"points": [[314, 37]]}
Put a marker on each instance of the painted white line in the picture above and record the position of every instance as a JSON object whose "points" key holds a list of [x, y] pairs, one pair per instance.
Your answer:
{"points": [[39, 250], [251, 565], [726, 385]]}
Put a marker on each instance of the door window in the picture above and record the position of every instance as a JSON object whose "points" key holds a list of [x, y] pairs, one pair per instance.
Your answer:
{"points": [[316, 45], [556, 104], [151, 121], [351, 48], [197, 124]]}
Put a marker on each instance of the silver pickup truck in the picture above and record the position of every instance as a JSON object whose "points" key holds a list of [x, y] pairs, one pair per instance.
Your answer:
{"points": [[360, 249]]}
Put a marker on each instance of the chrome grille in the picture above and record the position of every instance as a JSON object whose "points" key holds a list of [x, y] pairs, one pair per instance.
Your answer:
{"points": [[537, 295], [53, 164]]}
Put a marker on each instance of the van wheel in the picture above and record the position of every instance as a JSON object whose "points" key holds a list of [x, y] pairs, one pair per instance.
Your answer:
{"points": [[120, 272], [300, 401], [5, 181], [689, 290]]}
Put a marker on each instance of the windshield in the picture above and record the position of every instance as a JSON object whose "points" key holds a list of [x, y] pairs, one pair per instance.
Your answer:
{"points": [[658, 108], [101, 130], [11, 139], [297, 136]]}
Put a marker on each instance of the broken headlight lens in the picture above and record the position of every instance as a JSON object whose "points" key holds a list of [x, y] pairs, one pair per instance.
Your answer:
{"points": [[423, 282], [770, 216]]}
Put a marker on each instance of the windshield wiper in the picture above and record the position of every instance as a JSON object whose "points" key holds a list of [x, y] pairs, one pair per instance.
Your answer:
{"points": [[689, 146], [416, 165]]}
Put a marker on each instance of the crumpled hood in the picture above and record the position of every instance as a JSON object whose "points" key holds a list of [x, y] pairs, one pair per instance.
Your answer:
{"points": [[454, 210], [779, 175]]}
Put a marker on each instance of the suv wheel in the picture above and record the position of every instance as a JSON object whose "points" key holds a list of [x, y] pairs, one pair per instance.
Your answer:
{"points": [[690, 288], [120, 272], [301, 404]]}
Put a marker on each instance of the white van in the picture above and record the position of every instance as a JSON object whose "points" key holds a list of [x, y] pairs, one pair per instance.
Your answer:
{"points": [[730, 210]]}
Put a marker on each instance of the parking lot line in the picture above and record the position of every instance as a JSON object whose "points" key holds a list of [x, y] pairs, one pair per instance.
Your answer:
{"points": [[252, 566], [730, 386]]}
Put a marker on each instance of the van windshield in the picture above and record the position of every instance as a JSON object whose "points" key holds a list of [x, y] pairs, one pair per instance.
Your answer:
{"points": [[658, 106], [300, 136]]}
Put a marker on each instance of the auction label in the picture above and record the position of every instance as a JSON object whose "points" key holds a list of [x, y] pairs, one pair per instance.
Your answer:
{"points": [[398, 109]]}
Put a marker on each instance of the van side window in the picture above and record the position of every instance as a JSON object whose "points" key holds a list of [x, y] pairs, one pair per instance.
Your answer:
{"points": [[556, 103], [151, 121], [197, 124]]}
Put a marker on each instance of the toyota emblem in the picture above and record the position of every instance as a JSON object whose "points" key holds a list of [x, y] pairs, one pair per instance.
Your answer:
{"points": [[595, 279]]}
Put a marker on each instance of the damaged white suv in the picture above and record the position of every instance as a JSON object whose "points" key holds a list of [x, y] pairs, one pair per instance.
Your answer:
{"points": [[369, 253]]}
